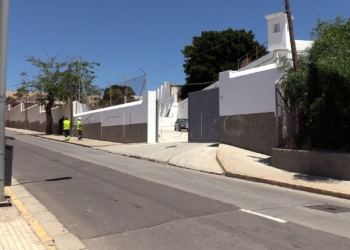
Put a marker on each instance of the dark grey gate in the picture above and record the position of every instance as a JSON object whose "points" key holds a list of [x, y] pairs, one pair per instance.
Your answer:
{"points": [[203, 116]]}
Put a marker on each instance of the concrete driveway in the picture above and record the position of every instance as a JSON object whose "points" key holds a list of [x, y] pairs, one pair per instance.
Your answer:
{"points": [[173, 136]]}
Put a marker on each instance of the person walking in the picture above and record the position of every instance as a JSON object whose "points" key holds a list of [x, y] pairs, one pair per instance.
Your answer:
{"points": [[60, 126], [80, 129], [66, 129]]}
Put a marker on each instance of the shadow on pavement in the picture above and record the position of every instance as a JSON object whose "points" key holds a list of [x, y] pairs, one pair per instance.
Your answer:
{"points": [[265, 161], [53, 179], [314, 178], [59, 179]]}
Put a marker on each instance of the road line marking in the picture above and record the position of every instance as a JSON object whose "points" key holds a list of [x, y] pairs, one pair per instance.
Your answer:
{"points": [[263, 215]]}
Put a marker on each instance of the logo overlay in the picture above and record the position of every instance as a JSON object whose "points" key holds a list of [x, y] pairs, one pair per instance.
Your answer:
{"points": [[236, 125]]}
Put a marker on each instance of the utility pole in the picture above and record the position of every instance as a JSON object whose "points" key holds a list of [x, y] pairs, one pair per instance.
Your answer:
{"points": [[98, 96], [145, 79], [25, 106], [77, 99], [4, 9], [126, 90], [110, 94], [291, 34], [70, 96]]}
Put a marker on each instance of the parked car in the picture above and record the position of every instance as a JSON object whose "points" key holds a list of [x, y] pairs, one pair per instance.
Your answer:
{"points": [[181, 124]]}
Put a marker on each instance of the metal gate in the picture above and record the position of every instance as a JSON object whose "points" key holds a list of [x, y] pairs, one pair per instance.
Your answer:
{"points": [[203, 116]]}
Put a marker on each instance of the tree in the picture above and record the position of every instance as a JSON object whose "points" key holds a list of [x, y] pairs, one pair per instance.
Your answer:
{"points": [[53, 79], [11, 100], [21, 92], [214, 52], [118, 93], [320, 89]]}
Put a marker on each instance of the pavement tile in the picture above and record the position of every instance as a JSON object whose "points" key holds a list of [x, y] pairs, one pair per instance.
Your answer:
{"points": [[15, 233]]}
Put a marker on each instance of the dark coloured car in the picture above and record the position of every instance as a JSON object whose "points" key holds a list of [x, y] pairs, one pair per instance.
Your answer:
{"points": [[181, 124]]}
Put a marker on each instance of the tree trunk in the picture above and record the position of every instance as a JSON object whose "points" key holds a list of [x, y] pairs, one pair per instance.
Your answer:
{"points": [[49, 117]]}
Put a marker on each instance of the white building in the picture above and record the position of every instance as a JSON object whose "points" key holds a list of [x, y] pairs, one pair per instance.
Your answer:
{"points": [[278, 41], [247, 97]]}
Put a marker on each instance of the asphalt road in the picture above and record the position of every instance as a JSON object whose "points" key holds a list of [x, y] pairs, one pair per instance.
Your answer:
{"points": [[115, 202]]}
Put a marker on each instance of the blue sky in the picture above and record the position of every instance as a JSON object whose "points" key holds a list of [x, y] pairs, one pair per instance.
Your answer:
{"points": [[127, 35]]}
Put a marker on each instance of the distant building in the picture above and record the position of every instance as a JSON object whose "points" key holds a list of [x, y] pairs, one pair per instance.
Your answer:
{"points": [[94, 100], [175, 89], [137, 97], [31, 97]]}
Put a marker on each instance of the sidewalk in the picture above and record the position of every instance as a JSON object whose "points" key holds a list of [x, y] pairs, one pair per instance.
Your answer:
{"points": [[214, 158], [19, 230], [73, 140], [218, 159], [15, 232], [197, 156], [248, 165]]}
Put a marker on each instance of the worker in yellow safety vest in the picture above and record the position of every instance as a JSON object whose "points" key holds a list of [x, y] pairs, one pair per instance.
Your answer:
{"points": [[80, 129], [66, 129]]}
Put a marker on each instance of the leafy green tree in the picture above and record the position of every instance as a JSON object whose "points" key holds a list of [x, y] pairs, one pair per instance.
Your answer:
{"points": [[320, 89], [10, 100], [53, 80], [214, 52], [21, 92], [118, 92]]}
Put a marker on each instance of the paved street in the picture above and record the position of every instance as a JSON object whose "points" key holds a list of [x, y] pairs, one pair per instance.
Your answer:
{"points": [[113, 202]]}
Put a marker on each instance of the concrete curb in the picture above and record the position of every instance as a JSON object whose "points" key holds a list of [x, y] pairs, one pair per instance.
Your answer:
{"points": [[87, 146], [157, 161], [229, 174], [127, 155], [70, 142], [44, 237], [280, 183], [220, 161]]}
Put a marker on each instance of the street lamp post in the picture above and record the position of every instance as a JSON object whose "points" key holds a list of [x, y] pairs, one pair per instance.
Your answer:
{"points": [[4, 8]]}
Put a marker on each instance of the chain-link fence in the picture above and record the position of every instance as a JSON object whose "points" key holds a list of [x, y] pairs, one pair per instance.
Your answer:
{"points": [[134, 87], [127, 91]]}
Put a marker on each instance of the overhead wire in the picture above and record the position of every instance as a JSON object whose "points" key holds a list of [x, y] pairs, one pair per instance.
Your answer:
{"points": [[213, 47], [174, 64]]}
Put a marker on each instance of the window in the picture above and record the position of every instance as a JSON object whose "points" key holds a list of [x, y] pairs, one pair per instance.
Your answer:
{"points": [[277, 28]]}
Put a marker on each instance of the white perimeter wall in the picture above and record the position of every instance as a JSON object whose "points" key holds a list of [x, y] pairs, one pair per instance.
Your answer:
{"points": [[35, 113], [248, 92], [167, 107], [183, 109], [137, 112], [57, 113], [14, 114]]}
